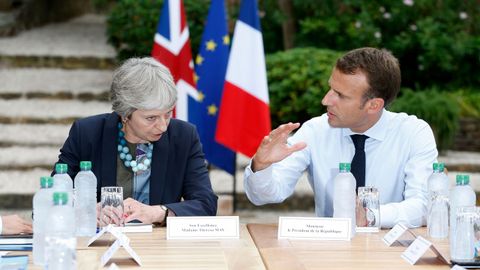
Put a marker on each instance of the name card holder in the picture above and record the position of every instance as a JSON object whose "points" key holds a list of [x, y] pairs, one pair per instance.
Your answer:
{"points": [[220, 227], [121, 241], [109, 228], [418, 248], [314, 228], [400, 234]]}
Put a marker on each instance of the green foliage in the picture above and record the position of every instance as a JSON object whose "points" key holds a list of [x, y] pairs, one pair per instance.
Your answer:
{"points": [[436, 41], [298, 80], [437, 108], [132, 24], [468, 102]]}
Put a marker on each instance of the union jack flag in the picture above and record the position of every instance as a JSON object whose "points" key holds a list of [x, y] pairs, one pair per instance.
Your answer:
{"points": [[172, 49]]}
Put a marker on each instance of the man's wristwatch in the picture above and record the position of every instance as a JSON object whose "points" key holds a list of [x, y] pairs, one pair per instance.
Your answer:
{"points": [[164, 221]]}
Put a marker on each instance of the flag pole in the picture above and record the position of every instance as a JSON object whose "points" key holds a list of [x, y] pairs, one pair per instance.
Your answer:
{"points": [[234, 183]]}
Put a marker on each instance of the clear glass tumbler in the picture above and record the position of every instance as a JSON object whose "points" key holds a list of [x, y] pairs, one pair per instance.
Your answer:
{"points": [[112, 207], [369, 199], [464, 243]]}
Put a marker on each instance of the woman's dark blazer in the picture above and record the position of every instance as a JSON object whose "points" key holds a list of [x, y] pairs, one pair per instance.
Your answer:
{"points": [[178, 167]]}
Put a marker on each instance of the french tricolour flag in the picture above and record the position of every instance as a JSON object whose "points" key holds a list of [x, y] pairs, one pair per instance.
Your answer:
{"points": [[172, 49], [244, 117]]}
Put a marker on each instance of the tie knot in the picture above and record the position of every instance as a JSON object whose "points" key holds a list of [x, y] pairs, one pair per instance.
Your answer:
{"points": [[359, 141]]}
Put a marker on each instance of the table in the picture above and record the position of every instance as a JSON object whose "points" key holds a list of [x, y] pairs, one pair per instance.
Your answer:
{"points": [[365, 251], [157, 253]]}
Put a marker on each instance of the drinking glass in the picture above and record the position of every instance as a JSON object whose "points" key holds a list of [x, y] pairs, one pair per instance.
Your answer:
{"points": [[464, 243], [369, 199], [112, 206]]}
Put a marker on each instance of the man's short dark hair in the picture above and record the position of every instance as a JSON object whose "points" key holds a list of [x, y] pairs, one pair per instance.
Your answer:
{"points": [[379, 66]]}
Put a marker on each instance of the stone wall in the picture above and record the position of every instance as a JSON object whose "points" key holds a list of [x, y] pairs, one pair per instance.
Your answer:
{"points": [[468, 135]]}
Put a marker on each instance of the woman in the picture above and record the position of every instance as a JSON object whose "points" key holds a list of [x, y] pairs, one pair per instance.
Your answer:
{"points": [[156, 159]]}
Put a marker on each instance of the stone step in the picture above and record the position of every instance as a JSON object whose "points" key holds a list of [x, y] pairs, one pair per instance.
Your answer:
{"points": [[33, 135], [461, 161], [55, 83], [25, 158], [40, 111], [66, 62], [78, 43]]}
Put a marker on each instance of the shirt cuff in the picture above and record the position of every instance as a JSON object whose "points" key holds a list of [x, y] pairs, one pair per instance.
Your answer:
{"points": [[258, 178], [388, 216]]}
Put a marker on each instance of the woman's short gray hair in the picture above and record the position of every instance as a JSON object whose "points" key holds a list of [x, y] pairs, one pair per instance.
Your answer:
{"points": [[142, 84]]}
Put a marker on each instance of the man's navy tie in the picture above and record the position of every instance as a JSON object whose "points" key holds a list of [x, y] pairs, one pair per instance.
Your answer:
{"points": [[358, 161]]}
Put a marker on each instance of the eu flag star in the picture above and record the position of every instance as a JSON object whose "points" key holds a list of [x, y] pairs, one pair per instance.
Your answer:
{"points": [[226, 40], [211, 45], [200, 96], [195, 78], [212, 109], [199, 60]]}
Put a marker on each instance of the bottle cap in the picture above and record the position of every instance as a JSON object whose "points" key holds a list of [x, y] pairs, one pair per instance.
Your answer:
{"points": [[60, 198], [463, 179], [344, 167], [61, 168], [440, 166], [85, 165], [46, 182]]}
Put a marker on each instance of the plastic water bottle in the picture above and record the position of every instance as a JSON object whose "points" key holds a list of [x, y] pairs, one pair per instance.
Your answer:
{"points": [[42, 203], [60, 250], [461, 195], [86, 200], [438, 205], [62, 181], [344, 195], [465, 234]]}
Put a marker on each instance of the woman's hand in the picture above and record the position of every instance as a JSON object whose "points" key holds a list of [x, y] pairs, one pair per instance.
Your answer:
{"points": [[147, 214], [13, 224], [109, 215]]}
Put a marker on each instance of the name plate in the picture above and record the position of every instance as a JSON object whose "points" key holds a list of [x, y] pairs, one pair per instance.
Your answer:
{"points": [[221, 227], [394, 234], [416, 250], [314, 228]]}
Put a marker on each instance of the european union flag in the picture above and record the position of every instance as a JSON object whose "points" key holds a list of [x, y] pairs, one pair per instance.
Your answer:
{"points": [[210, 68]]}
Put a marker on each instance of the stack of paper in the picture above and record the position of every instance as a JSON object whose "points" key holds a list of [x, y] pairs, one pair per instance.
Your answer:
{"points": [[136, 228], [16, 239], [22, 242]]}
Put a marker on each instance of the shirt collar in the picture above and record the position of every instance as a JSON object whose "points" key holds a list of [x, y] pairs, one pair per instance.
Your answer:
{"points": [[377, 131]]}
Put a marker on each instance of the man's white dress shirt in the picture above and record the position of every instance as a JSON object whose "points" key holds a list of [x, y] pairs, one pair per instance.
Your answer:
{"points": [[399, 155]]}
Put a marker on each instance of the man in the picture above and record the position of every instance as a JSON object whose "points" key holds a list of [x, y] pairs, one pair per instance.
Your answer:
{"points": [[13, 224], [398, 151]]}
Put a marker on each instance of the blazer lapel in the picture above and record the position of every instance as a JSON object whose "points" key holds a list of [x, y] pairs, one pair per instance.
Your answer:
{"points": [[109, 151], [159, 168]]}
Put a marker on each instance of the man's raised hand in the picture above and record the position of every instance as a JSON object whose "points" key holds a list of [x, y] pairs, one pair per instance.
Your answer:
{"points": [[274, 147]]}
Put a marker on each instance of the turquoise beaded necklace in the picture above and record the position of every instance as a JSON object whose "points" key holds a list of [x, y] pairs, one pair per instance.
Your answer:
{"points": [[127, 158]]}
